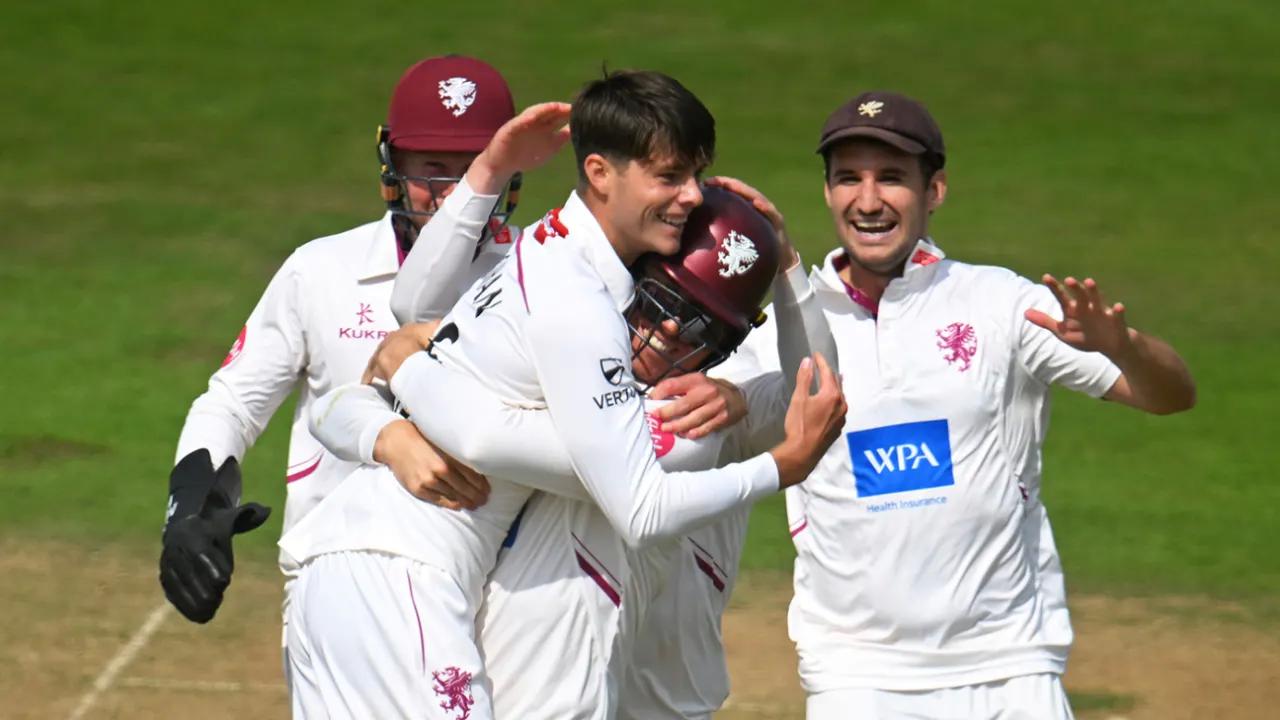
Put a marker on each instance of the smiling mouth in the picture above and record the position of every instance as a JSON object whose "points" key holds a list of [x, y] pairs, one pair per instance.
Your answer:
{"points": [[655, 342], [873, 230], [677, 224]]}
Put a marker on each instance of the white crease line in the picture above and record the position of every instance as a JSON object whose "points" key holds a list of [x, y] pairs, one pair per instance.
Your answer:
{"points": [[108, 675], [199, 685]]}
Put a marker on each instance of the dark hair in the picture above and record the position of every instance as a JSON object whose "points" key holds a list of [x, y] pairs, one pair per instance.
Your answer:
{"points": [[638, 115], [930, 164]]}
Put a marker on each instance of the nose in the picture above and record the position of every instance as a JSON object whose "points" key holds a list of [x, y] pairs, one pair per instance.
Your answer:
{"points": [[690, 194], [868, 201]]}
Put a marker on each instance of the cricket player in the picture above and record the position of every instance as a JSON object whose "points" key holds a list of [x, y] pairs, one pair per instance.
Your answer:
{"points": [[926, 579], [395, 570], [566, 601], [320, 318], [563, 579]]}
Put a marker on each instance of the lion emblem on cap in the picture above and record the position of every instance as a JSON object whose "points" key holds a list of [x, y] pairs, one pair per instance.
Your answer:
{"points": [[737, 254], [457, 94]]}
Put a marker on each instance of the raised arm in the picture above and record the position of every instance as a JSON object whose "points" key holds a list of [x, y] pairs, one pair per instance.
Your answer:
{"points": [[802, 327], [1153, 377], [444, 261]]}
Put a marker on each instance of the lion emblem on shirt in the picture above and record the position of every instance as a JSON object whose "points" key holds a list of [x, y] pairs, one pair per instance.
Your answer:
{"points": [[457, 94], [737, 254], [454, 685], [959, 343]]}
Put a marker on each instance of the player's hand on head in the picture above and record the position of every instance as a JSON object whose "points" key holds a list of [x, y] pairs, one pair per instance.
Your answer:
{"points": [[702, 406], [765, 207], [204, 514], [524, 143], [395, 348], [426, 472], [1088, 321], [813, 420]]}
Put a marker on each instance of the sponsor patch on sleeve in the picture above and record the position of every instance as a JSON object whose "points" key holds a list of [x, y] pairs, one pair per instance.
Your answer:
{"points": [[236, 348], [900, 458]]}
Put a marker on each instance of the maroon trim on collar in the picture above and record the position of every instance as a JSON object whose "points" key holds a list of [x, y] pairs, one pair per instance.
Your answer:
{"points": [[841, 262]]}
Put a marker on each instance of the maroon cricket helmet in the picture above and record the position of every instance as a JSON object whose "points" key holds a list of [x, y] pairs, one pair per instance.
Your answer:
{"points": [[727, 260], [713, 287], [450, 103]]}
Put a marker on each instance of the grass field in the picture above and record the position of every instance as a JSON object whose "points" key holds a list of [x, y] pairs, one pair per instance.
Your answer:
{"points": [[159, 160]]}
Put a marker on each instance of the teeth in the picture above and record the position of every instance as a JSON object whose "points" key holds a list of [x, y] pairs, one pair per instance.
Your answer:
{"points": [[656, 343], [673, 223]]}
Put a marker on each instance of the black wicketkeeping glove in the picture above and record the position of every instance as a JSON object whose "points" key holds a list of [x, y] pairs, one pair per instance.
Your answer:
{"points": [[204, 514]]}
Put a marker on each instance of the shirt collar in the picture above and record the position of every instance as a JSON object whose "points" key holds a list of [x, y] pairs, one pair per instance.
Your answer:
{"points": [[383, 254], [919, 268], [588, 235]]}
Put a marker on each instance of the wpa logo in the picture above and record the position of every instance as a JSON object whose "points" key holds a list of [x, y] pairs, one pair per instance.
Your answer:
{"points": [[899, 458]]}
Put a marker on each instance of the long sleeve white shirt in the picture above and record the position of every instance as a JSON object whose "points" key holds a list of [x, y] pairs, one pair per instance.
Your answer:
{"points": [[314, 328], [528, 331]]}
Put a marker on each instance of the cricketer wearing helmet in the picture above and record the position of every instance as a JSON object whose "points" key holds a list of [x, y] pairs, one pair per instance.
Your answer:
{"points": [[375, 556], [315, 326], [565, 614]]}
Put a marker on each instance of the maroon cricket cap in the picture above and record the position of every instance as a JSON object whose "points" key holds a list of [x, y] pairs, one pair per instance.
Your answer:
{"points": [[450, 103], [888, 117]]}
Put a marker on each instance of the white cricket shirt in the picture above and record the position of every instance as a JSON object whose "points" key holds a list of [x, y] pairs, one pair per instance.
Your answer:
{"points": [[559, 587], [317, 324], [315, 327], [529, 331], [924, 558]]}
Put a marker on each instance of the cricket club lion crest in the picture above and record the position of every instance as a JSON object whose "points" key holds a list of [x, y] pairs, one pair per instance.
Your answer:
{"points": [[457, 94], [737, 254], [454, 685]]}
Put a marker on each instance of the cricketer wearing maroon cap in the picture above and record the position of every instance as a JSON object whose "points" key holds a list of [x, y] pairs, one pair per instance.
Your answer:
{"points": [[927, 582], [315, 327], [443, 112]]}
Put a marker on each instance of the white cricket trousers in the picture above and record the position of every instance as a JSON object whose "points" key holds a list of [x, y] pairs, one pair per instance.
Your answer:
{"points": [[372, 635], [1027, 697]]}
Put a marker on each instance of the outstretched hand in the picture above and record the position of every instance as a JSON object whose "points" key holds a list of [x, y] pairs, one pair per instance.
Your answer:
{"points": [[1088, 322], [525, 142], [786, 253]]}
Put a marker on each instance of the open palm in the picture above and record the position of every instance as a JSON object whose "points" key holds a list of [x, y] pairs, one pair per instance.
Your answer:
{"points": [[529, 139], [1088, 323]]}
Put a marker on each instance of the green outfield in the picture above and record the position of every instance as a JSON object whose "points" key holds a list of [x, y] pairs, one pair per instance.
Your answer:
{"points": [[159, 160]]}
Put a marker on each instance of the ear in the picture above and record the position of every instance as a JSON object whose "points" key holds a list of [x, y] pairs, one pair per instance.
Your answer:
{"points": [[937, 190], [826, 189], [599, 173]]}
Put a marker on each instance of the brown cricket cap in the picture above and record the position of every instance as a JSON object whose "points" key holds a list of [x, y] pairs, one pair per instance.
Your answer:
{"points": [[888, 117]]}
